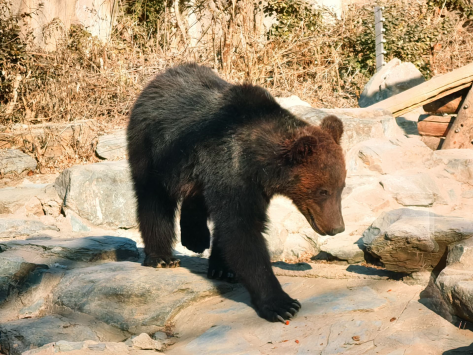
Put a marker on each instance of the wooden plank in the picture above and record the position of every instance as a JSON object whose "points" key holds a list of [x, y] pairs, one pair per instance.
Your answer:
{"points": [[429, 91], [435, 126], [448, 104], [460, 134]]}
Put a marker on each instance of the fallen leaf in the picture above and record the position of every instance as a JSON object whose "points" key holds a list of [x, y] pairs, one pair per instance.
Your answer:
{"points": [[297, 341], [356, 338], [392, 319]]}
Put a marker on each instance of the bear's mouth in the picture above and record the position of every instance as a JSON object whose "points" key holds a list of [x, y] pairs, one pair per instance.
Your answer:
{"points": [[313, 224]]}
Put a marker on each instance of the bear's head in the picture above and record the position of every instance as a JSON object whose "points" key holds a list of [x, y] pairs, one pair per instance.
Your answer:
{"points": [[317, 174]]}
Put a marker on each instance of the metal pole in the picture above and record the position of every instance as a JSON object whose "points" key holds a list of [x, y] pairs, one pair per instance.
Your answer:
{"points": [[379, 31]]}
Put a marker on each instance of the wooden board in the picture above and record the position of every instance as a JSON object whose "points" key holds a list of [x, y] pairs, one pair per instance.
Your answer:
{"points": [[435, 126], [460, 134], [429, 91], [448, 104]]}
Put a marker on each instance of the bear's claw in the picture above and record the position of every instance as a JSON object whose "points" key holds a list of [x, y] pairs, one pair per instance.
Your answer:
{"points": [[161, 262], [279, 308]]}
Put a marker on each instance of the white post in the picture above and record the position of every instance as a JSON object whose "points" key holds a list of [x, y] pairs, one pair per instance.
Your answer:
{"points": [[379, 32]]}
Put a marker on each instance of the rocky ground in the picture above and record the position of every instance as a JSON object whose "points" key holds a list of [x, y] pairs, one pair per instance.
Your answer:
{"points": [[399, 280]]}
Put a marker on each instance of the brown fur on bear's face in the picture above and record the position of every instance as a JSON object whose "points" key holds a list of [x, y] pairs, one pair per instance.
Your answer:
{"points": [[317, 176]]}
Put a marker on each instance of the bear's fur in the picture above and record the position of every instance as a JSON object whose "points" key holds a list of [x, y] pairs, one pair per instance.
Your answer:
{"points": [[225, 150]]}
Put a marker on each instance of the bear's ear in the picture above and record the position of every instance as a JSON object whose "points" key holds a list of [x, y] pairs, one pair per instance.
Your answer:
{"points": [[333, 126], [301, 149]]}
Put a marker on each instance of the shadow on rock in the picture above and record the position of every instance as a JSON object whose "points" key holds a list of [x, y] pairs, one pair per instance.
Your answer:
{"points": [[464, 350]]}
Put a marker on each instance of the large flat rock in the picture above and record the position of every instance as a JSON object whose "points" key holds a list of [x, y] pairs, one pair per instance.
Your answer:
{"points": [[407, 240], [458, 163], [132, 297], [36, 199], [101, 193], [88, 249], [112, 146], [351, 318], [19, 336], [15, 227], [359, 124], [15, 161]]}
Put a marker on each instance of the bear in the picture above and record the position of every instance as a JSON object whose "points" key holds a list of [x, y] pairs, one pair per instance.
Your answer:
{"points": [[221, 151]]}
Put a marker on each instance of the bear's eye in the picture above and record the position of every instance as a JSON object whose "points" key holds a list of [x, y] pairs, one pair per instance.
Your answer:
{"points": [[323, 193]]}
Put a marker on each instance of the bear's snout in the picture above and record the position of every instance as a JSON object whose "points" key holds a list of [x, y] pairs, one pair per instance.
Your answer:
{"points": [[337, 230]]}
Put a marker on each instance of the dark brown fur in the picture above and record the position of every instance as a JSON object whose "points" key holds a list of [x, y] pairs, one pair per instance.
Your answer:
{"points": [[225, 150]]}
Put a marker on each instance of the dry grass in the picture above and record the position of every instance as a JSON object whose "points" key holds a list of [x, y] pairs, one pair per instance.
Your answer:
{"points": [[88, 80]]}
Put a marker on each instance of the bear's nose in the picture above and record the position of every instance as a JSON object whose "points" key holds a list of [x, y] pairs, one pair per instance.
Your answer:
{"points": [[334, 231]]}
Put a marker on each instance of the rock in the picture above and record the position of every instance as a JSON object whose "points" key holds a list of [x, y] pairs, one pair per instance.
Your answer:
{"points": [[144, 342], [345, 247], [88, 249], [394, 78], [37, 199], [13, 228], [385, 156], [88, 347], [101, 193], [293, 100], [417, 189], [24, 334], [131, 297], [458, 163], [15, 161], [13, 272], [359, 124], [456, 281], [112, 146], [289, 235], [407, 240]]}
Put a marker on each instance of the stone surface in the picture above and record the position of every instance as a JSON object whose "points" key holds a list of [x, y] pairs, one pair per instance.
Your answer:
{"points": [[293, 100], [15, 161], [112, 146], [33, 199], [101, 193], [385, 156], [394, 78], [87, 249], [407, 240], [131, 297], [13, 272], [144, 342], [345, 246], [458, 163], [373, 317], [412, 189], [20, 335], [359, 124], [456, 280], [12, 228], [289, 234]]}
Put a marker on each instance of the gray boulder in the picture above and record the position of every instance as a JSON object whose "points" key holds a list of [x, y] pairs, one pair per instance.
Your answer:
{"points": [[37, 199], [24, 334], [394, 78], [112, 146], [456, 281], [101, 193], [88, 249], [13, 272], [131, 297], [15, 161], [14, 228], [88, 347], [458, 163], [407, 240], [387, 156]]}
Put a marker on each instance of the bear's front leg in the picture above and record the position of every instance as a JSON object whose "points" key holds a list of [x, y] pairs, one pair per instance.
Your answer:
{"points": [[238, 231]]}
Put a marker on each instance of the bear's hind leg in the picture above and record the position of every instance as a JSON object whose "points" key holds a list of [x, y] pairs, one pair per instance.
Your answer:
{"points": [[156, 212], [195, 234]]}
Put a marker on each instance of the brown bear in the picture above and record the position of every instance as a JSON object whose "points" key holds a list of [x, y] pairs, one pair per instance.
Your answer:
{"points": [[225, 150]]}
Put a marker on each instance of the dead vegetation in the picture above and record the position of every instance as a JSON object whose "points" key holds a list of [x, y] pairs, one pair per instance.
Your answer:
{"points": [[310, 53]]}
